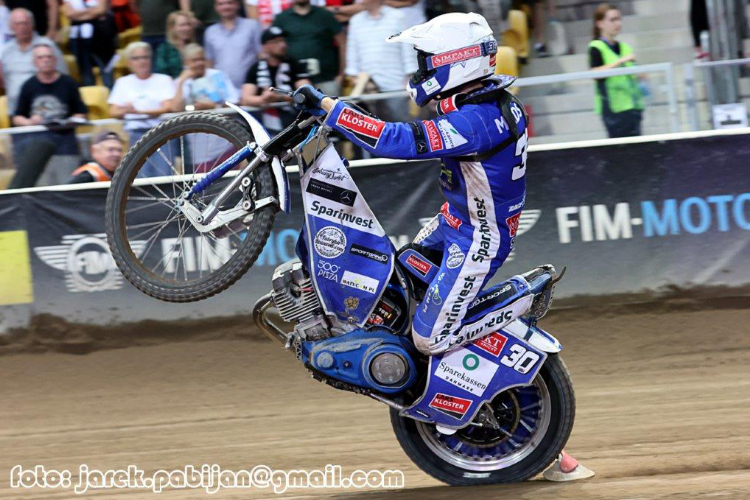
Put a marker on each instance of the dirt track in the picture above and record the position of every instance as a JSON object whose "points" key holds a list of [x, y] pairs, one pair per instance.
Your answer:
{"points": [[663, 412]]}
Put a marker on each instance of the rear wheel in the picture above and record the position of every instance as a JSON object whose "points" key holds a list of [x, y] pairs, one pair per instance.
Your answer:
{"points": [[532, 424], [154, 245]]}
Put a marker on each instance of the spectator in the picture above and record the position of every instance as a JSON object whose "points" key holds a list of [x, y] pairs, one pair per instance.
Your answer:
{"points": [[205, 15], [180, 32], [45, 14], [539, 23], [232, 44], [341, 10], [153, 13], [389, 64], [47, 98], [141, 98], [618, 98], [106, 153], [413, 11], [698, 24], [92, 34], [17, 59], [316, 39], [126, 14], [273, 69], [264, 11], [5, 33], [200, 87]]}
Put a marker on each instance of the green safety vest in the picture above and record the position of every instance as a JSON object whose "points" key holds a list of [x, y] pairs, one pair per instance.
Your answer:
{"points": [[622, 91]]}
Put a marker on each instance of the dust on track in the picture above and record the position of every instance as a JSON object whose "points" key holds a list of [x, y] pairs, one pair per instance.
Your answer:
{"points": [[663, 411]]}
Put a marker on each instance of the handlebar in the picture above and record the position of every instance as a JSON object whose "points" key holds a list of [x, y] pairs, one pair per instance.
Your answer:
{"points": [[298, 99]]}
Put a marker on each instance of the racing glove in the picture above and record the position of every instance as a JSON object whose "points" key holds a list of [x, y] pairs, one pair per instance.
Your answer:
{"points": [[308, 98]]}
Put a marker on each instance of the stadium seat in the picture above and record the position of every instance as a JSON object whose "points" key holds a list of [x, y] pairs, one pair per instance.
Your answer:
{"points": [[70, 61], [4, 117], [507, 62], [121, 65], [95, 97], [130, 35], [517, 35], [63, 39], [6, 175]]}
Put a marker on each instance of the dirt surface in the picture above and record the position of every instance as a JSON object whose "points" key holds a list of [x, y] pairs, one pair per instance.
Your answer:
{"points": [[663, 413]]}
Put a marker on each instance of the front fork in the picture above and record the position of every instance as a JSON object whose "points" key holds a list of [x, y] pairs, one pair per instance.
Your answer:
{"points": [[207, 220]]}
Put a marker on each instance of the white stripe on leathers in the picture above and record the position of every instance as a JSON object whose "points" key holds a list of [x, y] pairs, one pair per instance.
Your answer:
{"points": [[477, 192]]}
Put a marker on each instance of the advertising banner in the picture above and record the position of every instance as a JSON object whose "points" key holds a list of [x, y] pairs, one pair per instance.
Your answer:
{"points": [[632, 222]]}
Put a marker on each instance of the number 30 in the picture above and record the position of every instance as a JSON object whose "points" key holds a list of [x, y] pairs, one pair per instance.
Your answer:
{"points": [[520, 359]]}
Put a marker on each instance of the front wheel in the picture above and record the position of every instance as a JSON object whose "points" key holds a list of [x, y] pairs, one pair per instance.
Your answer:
{"points": [[533, 425], [155, 246]]}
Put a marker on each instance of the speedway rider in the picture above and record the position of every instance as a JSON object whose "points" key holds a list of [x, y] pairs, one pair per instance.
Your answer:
{"points": [[481, 138]]}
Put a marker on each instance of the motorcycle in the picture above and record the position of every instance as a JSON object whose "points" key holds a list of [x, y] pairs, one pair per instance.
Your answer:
{"points": [[497, 410]]}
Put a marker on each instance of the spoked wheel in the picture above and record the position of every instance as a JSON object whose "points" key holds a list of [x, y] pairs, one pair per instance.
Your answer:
{"points": [[153, 243], [514, 437]]}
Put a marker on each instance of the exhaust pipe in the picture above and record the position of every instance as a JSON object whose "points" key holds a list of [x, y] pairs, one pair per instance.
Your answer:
{"points": [[264, 324]]}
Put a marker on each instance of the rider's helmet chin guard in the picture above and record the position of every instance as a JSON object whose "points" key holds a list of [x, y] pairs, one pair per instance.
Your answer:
{"points": [[452, 50]]}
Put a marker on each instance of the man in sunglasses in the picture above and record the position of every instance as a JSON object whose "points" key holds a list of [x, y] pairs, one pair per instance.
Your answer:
{"points": [[480, 135]]}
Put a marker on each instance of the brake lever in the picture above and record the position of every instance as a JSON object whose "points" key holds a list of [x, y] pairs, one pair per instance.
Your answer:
{"points": [[280, 91]]}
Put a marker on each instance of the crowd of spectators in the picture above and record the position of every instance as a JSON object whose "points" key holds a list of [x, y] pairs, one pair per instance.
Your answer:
{"points": [[199, 54], [192, 55]]}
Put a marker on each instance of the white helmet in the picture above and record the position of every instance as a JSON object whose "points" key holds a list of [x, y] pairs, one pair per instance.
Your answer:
{"points": [[452, 50]]}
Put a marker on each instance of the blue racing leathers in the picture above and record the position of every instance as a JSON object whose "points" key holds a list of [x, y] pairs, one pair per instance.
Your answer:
{"points": [[483, 179]]}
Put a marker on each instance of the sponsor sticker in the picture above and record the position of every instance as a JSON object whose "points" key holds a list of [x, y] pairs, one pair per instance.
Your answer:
{"points": [[432, 297], [457, 55], [491, 296], [451, 219], [455, 256], [492, 343], [330, 242], [448, 105], [338, 215], [360, 282], [368, 253], [450, 405], [467, 371], [365, 128], [421, 266], [351, 303], [433, 135], [451, 137], [330, 174], [515, 207], [512, 222], [430, 86], [332, 192], [328, 271]]}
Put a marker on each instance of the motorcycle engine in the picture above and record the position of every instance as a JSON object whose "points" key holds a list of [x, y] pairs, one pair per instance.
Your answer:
{"points": [[294, 297]]}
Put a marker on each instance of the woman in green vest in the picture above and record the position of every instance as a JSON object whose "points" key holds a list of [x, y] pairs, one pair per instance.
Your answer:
{"points": [[618, 98]]}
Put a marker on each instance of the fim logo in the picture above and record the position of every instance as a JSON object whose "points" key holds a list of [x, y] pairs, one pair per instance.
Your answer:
{"points": [[528, 219], [86, 261]]}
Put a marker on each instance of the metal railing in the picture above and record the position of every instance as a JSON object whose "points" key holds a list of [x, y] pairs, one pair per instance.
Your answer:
{"points": [[707, 68]]}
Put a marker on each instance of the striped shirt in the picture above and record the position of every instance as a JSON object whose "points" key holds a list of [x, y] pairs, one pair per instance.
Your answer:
{"points": [[388, 64]]}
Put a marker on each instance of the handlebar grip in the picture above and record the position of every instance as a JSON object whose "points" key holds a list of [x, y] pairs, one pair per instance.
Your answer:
{"points": [[300, 99]]}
